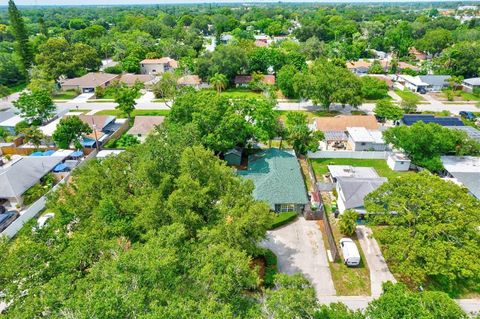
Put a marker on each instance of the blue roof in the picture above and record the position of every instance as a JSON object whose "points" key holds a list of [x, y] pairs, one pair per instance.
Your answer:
{"points": [[48, 153], [37, 154], [60, 168], [410, 119], [76, 154], [88, 142]]}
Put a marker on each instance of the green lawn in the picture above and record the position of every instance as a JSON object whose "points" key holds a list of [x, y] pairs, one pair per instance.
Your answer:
{"points": [[320, 165], [65, 95], [466, 96], [119, 114], [409, 94], [83, 111], [236, 93]]}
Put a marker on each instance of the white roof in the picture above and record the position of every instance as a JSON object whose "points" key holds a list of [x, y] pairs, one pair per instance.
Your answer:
{"points": [[415, 80], [64, 153], [351, 171], [472, 81], [11, 122], [461, 164], [105, 153], [361, 134], [399, 157]]}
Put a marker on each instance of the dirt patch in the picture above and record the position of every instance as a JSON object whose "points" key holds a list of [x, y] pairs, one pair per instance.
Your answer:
{"points": [[260, 264]]}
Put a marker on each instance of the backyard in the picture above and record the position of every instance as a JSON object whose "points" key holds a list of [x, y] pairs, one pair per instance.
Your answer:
{"points": [[320, 166]]}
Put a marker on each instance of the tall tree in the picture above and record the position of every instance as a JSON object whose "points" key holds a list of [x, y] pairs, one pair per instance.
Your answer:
{"points": [[69, 130], [35, 107], [299, 135], [33, 135], [125, 98], [438, 219], [19, 31], [386, 109]]}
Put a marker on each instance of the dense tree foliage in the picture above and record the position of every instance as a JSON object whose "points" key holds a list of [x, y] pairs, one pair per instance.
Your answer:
{"points": [[69, 130], [299, 134], [35, 107], [425, 143], [431, 235], [388, 110]]}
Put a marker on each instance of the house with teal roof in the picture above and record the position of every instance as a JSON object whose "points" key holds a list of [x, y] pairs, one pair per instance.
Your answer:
{"points": [[278, 180]]}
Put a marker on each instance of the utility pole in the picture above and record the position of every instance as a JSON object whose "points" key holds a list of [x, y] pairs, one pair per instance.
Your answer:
{"points": [[95, 133]]}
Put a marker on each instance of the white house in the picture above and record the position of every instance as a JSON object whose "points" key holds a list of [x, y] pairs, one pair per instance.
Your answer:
{"points": [[158, 66], [465, 170], [352, 192], [361, 139], [469, 85], [424, 83]]}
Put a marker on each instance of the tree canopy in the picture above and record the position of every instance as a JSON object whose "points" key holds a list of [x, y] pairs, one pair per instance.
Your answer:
{"points": [[35, 107], [69, 130]]}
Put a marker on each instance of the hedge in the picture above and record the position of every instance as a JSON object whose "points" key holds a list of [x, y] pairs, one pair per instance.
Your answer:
{"points": [[283, 218]]}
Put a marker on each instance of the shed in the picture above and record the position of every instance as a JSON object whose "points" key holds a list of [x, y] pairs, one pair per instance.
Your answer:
{"points": [[233, 157], [398, 162]]}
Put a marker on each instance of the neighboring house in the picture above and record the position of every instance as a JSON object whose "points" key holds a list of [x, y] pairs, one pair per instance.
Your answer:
{"points": [[225, 38], [158, 66], [9, 124], [398, 162], [469, 85], [465, 170], [359, 67], [419, 55], [335, 128], [278, 180], [361, 139], [260, 43], [49, 129], [144, 125], [379, 54], [102, 127], [190, 80], [472, 132], [89, 82], [425, 83], [244, 80], [131, 79], [17, 176], [410, 119], [353, 184], [233, 157]]}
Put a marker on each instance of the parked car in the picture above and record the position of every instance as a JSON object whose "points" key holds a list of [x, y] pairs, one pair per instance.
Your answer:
{"points": [[7, 218], [468, 115], [351, 256]]}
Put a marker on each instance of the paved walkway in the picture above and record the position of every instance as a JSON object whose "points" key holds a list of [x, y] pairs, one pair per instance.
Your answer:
{"points": [[300, 249], [379, 272]]}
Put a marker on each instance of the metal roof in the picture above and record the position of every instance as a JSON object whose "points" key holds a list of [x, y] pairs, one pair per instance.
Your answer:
{"points": [[466, 170], [410, 119], [472, 132], [277, 177], [472, 81], [335, 136]]}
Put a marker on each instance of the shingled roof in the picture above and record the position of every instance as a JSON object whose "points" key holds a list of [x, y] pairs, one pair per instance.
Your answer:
{"points": [[277, 177]]}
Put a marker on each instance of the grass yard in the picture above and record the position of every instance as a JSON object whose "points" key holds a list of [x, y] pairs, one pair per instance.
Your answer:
{"points": [[466, 96], [348, 281], [320, 166], [17, 87], [409, 94], [283, 219], [65, 95], [119, 114], [83, 111]]}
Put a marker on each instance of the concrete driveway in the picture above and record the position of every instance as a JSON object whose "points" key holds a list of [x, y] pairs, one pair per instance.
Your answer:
{"points": [[82, 98], [379, 272], [299, 249]]}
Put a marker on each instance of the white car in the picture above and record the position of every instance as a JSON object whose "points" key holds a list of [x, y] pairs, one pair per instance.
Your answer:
{"points": [[42, 220], [351, 256]]}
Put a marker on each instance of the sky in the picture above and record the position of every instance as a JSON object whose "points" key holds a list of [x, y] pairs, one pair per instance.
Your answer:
{"points": [[131, 2]]}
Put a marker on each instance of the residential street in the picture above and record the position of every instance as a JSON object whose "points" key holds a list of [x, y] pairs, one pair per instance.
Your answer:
{"points": [[299, 248]]}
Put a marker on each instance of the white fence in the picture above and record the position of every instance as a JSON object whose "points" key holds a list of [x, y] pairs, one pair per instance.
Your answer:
{"points": [[34, 209], [348, 154]]}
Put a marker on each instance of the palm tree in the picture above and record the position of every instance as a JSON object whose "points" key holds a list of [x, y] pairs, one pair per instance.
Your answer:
{"points": [[33, 135], [219, 82]]}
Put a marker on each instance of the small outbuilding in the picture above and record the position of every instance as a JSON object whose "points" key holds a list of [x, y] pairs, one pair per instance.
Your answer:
{"points": [[398, 162]]}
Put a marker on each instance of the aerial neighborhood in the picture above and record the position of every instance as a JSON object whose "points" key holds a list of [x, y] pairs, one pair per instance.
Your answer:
{"points": [[226, 160]]}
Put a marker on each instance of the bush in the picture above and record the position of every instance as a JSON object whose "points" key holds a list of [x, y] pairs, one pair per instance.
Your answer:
{"points": [[348, 222], [270, 267], [282, 219], [117, 69]]}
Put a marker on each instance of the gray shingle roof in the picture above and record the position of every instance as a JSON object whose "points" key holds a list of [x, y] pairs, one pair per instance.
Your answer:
{"points": [[355, 189], [16, 178], [472, 81], [435, 80], [277, 177]]}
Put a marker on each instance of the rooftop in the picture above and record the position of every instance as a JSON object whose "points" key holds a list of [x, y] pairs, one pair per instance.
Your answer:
{"points": [[277, 177], [145, 124], [472, 132], [435, 80], [361, 134], [19, 176], [131, 79], [165, 60], [472, 81], [466, 170], [410, 119], [245, 79], [341, 122], [352, 171], [354, 190], [92, 79], [190, 80]]}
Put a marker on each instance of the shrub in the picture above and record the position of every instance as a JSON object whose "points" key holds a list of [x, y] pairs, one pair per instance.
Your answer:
{"points": [[282, 219], [117, 69], [348, 222], [270, 267]]}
